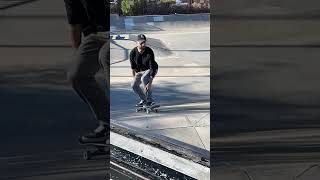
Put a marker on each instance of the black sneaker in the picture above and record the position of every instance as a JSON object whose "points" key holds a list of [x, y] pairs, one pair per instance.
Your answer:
{"points": [[141, 103], [99, 135], [148, 104]]}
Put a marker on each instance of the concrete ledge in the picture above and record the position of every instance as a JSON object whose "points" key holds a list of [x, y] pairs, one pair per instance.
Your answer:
{"points": [[138, 165], [160, 18], [119, 171], [159, 156], [166, 144]]}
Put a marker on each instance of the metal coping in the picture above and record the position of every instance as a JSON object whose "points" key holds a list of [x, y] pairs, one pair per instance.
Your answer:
{"points": [[181, 149]]}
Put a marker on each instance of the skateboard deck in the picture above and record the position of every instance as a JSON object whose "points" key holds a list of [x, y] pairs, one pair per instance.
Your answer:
{"points": [[148, 109], [94, 149]]}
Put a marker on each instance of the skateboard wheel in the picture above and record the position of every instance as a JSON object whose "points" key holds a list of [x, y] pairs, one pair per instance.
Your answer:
{"points": [[148, 111], [86, 155], [137, 110], [156, 110]]}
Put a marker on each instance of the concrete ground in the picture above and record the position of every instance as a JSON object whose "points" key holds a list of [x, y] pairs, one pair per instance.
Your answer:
{"points": [[266, 90], [181, 86]]}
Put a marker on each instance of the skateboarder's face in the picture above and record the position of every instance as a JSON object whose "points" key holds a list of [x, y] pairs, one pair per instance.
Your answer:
{"points": [[141, 44]]}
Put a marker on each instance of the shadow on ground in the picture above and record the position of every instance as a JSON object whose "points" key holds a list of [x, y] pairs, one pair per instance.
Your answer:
{"points": [[264, 89], [168, 94], [39, 107]]}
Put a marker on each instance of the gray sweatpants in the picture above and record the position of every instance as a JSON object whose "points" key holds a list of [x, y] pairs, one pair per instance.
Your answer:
{"points": [[144, 78], [92, 56]]}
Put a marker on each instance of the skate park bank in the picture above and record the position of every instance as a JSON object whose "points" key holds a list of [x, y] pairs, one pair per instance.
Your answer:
{"points": [[181, 128]]}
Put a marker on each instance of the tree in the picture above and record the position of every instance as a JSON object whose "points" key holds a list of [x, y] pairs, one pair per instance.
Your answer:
{"points": [[119, 10], [126, 8]]}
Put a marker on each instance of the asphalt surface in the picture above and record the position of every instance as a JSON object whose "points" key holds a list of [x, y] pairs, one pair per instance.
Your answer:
{"points": [[41, 119], [265, 91]]}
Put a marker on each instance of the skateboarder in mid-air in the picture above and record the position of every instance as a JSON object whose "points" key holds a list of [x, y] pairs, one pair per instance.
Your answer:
{"points": [[144, 69]]}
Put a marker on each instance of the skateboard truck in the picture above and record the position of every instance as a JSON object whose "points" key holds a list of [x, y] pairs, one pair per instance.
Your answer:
{"points": [[148, 109], [99, 151], [94, 149]]}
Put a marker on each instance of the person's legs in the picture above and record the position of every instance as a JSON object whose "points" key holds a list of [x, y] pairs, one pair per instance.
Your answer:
{"points": [[145, 78], [104, 60], [135, 84], [82, 77]]}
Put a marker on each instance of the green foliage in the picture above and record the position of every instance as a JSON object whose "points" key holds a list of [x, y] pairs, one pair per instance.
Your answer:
{"points": [[164, 7], [168, 1], [137, 7], [126, 8]]}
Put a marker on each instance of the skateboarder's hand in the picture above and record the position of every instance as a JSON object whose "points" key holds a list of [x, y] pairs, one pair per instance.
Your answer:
{"points": [[148, 87], [75, 35]]}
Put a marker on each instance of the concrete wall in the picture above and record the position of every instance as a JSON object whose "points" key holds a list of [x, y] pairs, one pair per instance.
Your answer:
{"points": [[115, 19]]}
